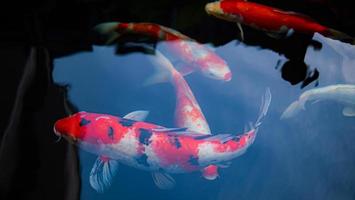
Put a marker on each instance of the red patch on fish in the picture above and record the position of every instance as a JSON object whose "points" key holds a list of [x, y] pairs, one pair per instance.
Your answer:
{"points": [[183, 155], [269, 18]]}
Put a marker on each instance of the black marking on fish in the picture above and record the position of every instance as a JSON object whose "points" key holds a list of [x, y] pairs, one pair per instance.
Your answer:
{"points": [[143, 160], [202, 137], [225, 141], [237, 139], [110, 132], [84, 122], [126, 122], [144, 136], [193, 160], [175, 141]]}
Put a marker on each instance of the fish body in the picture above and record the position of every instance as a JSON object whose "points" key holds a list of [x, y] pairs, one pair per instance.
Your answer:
{"points": [[188, 112], [188, 53], [341, 93], [269, 19], [151, 147], [147, 146]]}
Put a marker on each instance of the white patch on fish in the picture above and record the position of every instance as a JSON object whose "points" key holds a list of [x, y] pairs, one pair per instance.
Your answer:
{"points": [[102, 117]]}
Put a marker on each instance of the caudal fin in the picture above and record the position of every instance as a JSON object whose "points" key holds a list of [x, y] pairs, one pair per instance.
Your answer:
{"points": [[107, 31], [337, 35], [293, 109]]}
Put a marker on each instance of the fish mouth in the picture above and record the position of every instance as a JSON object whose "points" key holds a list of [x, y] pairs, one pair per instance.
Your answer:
{"points": [[68, 137]]}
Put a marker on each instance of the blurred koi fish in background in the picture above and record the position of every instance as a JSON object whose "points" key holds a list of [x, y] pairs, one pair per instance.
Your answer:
{"points": [[277, 23], [186, 54]]}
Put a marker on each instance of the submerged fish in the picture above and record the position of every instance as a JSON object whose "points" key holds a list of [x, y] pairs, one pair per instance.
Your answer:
{"points": [[151, 147], [275, 22], [188, 54], [187, 111], [341, 93]]}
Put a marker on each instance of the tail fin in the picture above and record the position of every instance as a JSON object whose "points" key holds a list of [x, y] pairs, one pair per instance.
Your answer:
{"points": [[337, 35], [164, 70], [107, 30], [293, 109], [264, 107]]}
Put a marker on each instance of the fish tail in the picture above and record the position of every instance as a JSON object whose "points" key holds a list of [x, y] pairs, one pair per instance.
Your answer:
{"points": [[108, 31], [338, 35], [293, 109], [164, 70]]}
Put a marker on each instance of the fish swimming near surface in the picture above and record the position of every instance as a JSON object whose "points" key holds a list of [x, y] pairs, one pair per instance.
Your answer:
{"points": [[341, 93], [147, 146], [275, 22], [186, 54]]}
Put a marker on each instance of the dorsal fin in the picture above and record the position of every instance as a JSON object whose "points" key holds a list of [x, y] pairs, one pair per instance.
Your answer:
{"points": [[138, 115]]}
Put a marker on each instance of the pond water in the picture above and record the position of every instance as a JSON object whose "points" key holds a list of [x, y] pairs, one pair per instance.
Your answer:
{"points": [[309, 155]]}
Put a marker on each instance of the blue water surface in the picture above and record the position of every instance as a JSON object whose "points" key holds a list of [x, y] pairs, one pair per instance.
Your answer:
{"points": [[309, 156]]}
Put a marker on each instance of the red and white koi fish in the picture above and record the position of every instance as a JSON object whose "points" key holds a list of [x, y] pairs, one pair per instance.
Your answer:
{"points": [[188, 54], [188, 113], [151, 147], [274, 21]]}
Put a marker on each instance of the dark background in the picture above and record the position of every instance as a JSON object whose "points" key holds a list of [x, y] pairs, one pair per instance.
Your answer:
{"points": [[33, 33]]}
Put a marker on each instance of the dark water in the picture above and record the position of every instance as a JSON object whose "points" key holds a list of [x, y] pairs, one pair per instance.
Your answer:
{"points": [[309, 156]]}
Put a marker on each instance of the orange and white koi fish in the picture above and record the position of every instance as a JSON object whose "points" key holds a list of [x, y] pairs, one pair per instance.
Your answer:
{"points": [[188, 54], [274, 21]]}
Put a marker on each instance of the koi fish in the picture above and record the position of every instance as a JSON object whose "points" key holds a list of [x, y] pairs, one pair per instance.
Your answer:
{"points": [[147, 146], [188, 54], [187, 110], [275, 22], [341, 93]]}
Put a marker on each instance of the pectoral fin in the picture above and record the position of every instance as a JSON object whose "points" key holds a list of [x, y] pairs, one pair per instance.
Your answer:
{"points": [[283, 33], [163, 180], [210, 172], [102, 173], [138, 115], [241, 31], [349, 111]]}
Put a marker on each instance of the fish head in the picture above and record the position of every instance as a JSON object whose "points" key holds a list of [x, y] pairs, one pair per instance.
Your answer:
{"points": [[214, 8], [69, 127], [216, 68], [217, 9], [89, 128]]}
